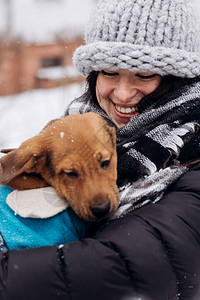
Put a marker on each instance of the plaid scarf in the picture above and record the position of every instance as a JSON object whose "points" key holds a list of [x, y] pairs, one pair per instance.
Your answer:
{"points": [[153, 145]]}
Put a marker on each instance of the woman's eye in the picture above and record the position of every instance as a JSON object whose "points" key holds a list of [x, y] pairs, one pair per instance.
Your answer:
{"points": [[146, 76], [108, 73]]}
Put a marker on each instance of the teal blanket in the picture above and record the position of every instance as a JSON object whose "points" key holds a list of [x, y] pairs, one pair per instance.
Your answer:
{"points": [[21, 232]]}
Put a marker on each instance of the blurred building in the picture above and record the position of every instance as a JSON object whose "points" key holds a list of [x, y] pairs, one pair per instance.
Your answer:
{"points": [[28, 66], [37, 41]]}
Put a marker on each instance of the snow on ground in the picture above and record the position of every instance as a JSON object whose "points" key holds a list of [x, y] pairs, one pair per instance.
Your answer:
{"points": [[24, 115]]}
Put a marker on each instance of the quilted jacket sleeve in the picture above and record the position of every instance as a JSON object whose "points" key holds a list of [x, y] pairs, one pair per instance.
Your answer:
{"points": [[150, 254]]}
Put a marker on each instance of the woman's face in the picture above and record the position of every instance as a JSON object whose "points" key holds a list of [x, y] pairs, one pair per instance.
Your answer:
{"points": [[119, 92]]}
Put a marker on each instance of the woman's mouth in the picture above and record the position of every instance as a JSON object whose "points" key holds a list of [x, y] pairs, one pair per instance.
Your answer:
{"points": [[126, 110], [125, 113]]}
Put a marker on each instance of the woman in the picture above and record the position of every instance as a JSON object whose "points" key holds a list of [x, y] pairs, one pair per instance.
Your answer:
{"points": [[142, 62]]}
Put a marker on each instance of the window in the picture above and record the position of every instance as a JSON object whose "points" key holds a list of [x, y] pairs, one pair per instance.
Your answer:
{"points": [[52, 62]]}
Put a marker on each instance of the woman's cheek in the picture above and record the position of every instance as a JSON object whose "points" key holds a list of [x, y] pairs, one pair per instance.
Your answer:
{"points": [[101, 93], [103, 86]]}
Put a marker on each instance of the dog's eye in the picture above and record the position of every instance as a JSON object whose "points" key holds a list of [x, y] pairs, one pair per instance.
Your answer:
{"points": [[71, 174], [105, 164]]}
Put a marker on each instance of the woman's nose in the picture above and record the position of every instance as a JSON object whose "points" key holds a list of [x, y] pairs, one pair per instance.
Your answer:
{"points": [[125, 91]]}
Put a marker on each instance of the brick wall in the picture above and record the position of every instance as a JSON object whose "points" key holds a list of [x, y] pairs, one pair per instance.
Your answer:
{"points": [[19, 64]]}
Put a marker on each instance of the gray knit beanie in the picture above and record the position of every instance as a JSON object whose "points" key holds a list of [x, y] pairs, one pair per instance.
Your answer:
{"points": [[162, 36]]}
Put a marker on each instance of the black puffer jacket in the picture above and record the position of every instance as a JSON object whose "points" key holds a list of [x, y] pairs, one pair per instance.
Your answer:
{"points": [[152, 253]]}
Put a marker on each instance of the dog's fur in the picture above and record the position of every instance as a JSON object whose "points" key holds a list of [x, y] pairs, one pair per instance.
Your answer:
{"points": [[76, 155]]}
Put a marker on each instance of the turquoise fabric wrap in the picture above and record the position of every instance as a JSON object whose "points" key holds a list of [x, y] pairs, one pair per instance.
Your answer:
{"points": [[21, 232]]}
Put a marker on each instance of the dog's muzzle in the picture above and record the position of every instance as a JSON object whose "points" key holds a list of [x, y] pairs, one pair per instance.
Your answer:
{"points": [[101, 211]]}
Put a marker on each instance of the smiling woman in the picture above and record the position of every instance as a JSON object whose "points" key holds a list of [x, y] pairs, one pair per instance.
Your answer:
{"points": [[141, 59], [119, 92]]}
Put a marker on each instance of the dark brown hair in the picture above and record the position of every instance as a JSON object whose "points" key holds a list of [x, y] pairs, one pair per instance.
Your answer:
{"points": [[168, 84]]}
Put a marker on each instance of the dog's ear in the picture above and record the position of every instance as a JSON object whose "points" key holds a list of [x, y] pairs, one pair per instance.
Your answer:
{"points": [[113, 134], [21, 168], [110, 136]]}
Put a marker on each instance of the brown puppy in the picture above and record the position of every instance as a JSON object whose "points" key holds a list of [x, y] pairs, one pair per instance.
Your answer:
{"points": [[77, 156]]}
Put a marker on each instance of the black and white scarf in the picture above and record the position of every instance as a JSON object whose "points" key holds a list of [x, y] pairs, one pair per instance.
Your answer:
{"points": [[153, 145]]}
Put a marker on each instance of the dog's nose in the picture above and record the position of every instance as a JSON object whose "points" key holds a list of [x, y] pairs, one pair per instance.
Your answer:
{"points": [[102, 210]]}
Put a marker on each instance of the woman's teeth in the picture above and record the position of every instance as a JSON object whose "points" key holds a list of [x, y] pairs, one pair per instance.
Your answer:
{"points": [[126, 110]]}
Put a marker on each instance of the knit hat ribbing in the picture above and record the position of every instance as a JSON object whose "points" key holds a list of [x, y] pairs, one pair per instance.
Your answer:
{"points": [[162, 36]]}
